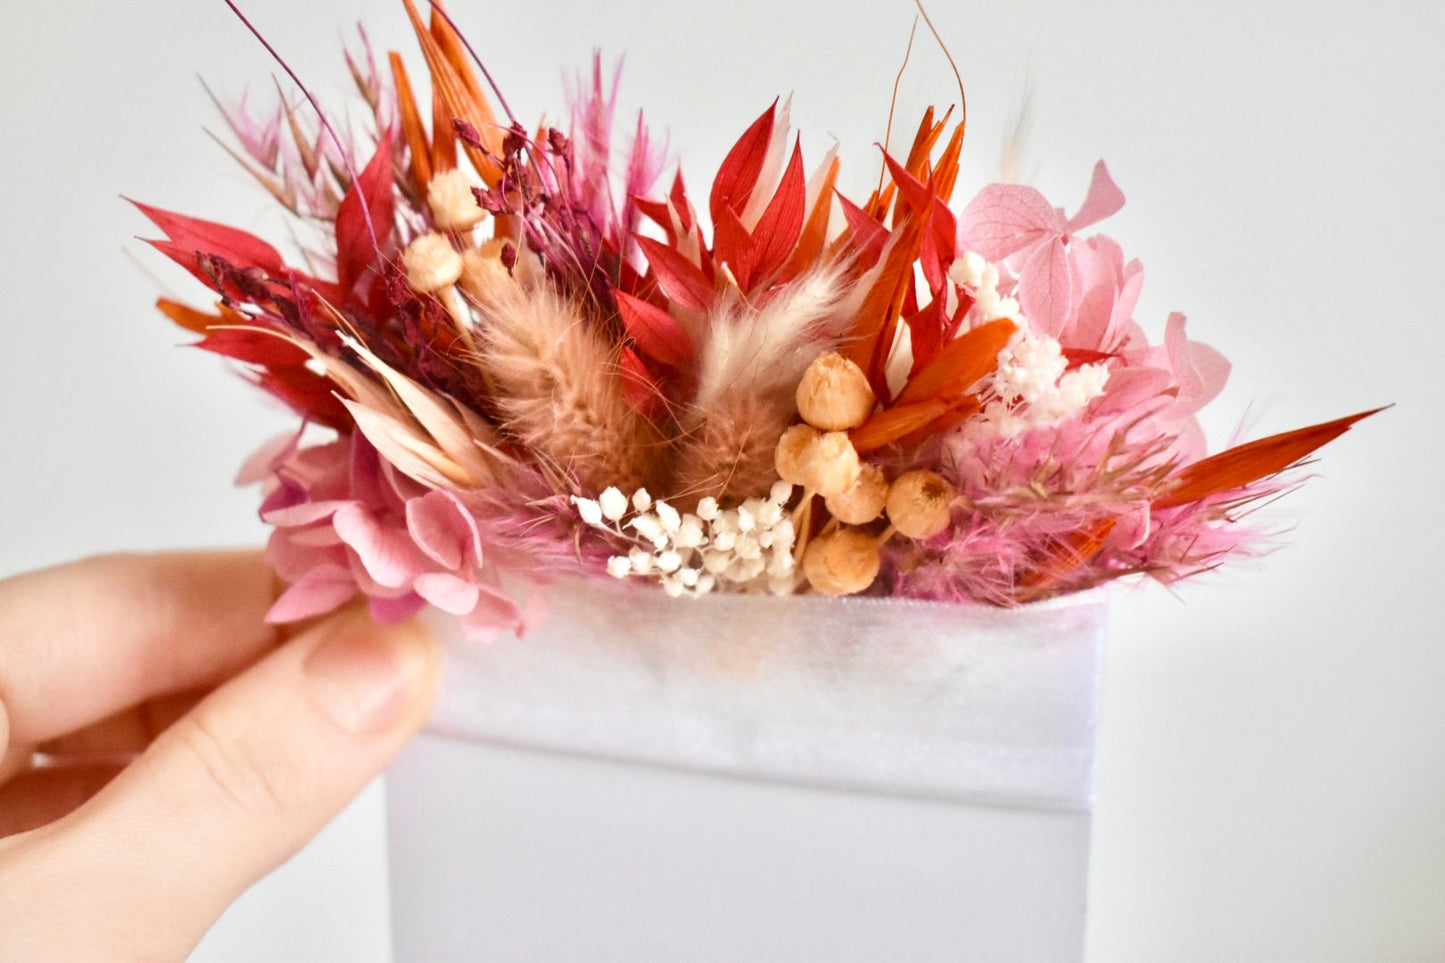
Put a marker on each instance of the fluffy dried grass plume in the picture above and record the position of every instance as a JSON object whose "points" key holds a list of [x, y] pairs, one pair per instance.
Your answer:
{"points": [[555, 384], [752, 360]]}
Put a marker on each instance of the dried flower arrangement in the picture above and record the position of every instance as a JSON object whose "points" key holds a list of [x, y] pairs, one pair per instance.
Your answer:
{"points": [[536, 363]]}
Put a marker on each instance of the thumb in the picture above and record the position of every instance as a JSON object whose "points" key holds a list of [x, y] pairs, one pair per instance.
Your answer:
{"points": [[236, 787]]}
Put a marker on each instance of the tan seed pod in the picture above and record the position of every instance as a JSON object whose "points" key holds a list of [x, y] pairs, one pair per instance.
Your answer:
{"points": [[830, 464], [790, 458], [431, 263], [453, 205], [834, 394], [920, 503], [863, 500], [842, 562], [484, 276]]}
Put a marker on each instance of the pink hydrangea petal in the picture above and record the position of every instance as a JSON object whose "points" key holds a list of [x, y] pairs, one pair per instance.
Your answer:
{"points": [[317, 536], [262, 464], [1190, 444], [305, 513], [390, 611], [441, 527], [321, 590], [1199, 369], [403, 487], [322, 470], [386, 551], [1003, 219], [1104, 199], [447, 592], [1096, 274], [368, 584], [1044, 288], [1132, 526], [292, 560], [1132, 389], [283, 495], [493, 615], [1129, 291], [366, 483]]}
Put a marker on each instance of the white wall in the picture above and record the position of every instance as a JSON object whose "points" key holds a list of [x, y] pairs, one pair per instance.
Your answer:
{"points": [[1273, 757]]}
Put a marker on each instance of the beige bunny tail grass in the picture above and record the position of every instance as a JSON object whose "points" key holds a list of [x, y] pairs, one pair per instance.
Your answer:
{"points": [[558, 392]]}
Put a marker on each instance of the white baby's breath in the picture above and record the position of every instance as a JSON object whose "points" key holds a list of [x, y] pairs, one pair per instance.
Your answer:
{"points": [[588, 510], [613, 504], [747, 548]]}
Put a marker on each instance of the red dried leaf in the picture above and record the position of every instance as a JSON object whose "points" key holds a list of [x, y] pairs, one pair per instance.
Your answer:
{"points": [[1078, 357], [657, 333], [361, 241], [740, 170], [778, 229], [679, 278], [925, 333], [308, 394], [678, 196], [253, 347], [190, 235], [733, 245], [1247, 463], [911, 191], [868, 236], [643, 391], [658, 212]]}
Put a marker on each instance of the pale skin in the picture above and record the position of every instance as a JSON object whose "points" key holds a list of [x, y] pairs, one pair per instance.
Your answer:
{"points": [[164, 748]]}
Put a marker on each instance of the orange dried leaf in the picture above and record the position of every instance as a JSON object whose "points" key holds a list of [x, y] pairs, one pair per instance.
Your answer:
{"points": [[945, 422], [455, 99], [815, 230], [1250, 462], [924, 142], [1066, 555], [874, 329], [945, 172], [188, 317], [960, 363], [411, 124], [888, 426], [455, 51]]}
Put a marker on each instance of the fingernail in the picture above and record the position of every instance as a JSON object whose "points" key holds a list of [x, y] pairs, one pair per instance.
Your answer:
{"points": [[367, 677]]}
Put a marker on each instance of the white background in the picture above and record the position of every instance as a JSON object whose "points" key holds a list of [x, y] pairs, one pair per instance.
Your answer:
{"points": [[1272, 767]]}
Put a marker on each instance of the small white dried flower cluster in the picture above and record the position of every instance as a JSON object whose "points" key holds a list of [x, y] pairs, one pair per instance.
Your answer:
{"points": [[748, 548], [972, 271], [1034, 388]]}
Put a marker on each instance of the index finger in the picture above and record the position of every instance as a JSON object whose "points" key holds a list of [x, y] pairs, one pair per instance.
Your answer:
{"points": [[82, 641]]}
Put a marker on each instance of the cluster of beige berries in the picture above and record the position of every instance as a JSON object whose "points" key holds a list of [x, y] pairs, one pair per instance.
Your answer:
{"points": [[434, 264], [833, 397]]}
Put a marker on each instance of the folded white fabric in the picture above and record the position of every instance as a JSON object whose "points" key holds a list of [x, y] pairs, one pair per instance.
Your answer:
{"points": [[965, 703]]}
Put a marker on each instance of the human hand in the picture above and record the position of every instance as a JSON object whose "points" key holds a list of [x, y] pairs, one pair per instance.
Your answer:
{"points": [[185, 748]]}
